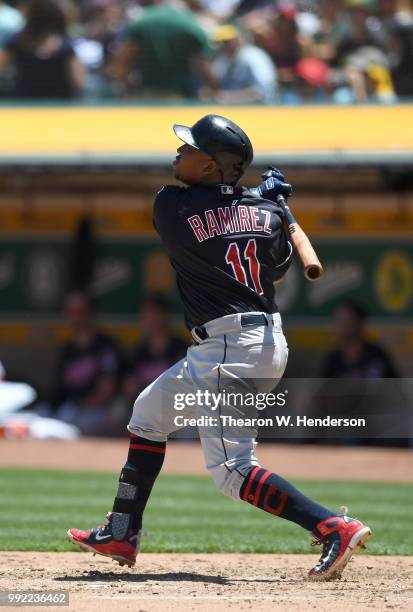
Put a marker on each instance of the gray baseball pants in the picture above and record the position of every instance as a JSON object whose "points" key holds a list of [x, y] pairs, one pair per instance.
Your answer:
{"points": [[233, 357]]}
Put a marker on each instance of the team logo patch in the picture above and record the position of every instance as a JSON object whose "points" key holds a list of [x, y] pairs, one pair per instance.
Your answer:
{"points": [[227, 190]]}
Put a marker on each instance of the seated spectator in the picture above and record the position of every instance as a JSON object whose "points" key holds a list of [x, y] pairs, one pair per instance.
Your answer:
{"points": [[101, 22], [314, 79], [335, 25], [161, 52], [355, 356], [88, 369], [42, 55], [281, 38], [373, 77], [361, 52], [244, 73], [365, 29], [159, 349]]}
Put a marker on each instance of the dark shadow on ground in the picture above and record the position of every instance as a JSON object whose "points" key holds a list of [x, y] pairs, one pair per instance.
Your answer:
{"points": [[99, 576]]}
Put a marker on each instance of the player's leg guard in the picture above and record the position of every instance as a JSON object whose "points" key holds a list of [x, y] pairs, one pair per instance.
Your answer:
{"points": [[271, 493], [136, 480]]}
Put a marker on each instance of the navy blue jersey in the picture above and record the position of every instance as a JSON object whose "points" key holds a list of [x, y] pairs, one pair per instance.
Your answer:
{"points": [[227, 247]]}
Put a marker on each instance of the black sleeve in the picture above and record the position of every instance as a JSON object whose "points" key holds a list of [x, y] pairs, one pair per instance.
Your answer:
{"points": [[276, 206], [283, 247], [285, 258], [165, 209], [279, 210]]}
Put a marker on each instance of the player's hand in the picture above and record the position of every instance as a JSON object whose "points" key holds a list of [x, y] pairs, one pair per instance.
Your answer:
{"points": [[273, 172], [273, 185]]}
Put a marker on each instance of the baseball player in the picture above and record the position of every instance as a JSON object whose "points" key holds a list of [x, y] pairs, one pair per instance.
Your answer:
{"points": [[228, 246]]}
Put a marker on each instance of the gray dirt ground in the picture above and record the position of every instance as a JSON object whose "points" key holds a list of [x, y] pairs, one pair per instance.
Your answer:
{"points": [[205, 582]]}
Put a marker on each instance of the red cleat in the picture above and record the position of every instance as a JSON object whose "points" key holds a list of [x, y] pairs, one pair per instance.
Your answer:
{"points": [[101, 541], [340, 536]]}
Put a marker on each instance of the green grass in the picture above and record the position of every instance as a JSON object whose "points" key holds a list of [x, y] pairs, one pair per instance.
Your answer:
{"points": [[187, 513]]}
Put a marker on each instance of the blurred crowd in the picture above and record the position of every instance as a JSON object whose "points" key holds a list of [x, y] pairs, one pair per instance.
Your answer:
{"points": [[95, 380], [223, 51]]}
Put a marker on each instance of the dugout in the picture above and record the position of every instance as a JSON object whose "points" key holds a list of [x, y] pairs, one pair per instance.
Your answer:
{"points": [[352, 172]]}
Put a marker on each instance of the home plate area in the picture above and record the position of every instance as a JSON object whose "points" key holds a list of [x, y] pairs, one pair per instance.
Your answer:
{"points": [[210, 582]]}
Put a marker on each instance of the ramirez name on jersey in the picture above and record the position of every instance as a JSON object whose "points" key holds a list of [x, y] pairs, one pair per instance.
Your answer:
{"points": [[227, 246], [234, 219]]}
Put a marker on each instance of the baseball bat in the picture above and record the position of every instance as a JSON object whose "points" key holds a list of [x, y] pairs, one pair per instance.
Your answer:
{"points": [[311, 264]]}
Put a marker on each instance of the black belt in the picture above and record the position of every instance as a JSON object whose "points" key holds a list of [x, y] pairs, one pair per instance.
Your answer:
{"points": [[246, 320]]}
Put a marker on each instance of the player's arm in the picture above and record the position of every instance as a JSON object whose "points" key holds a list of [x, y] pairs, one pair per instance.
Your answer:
{"points": [[286, 257], [272, 186], [283, 251]]}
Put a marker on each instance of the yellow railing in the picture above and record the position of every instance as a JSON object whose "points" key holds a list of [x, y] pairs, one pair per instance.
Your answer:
{"points": [[146, 131]]}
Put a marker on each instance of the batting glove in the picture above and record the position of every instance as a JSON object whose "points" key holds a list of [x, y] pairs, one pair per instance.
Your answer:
{"points": [[273, 185]]}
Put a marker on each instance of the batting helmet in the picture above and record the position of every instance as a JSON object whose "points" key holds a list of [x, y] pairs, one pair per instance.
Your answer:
{"points": [[223, 140]]}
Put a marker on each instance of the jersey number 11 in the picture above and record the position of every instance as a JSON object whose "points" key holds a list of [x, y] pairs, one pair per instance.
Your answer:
{"points": [[233, 259]]}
